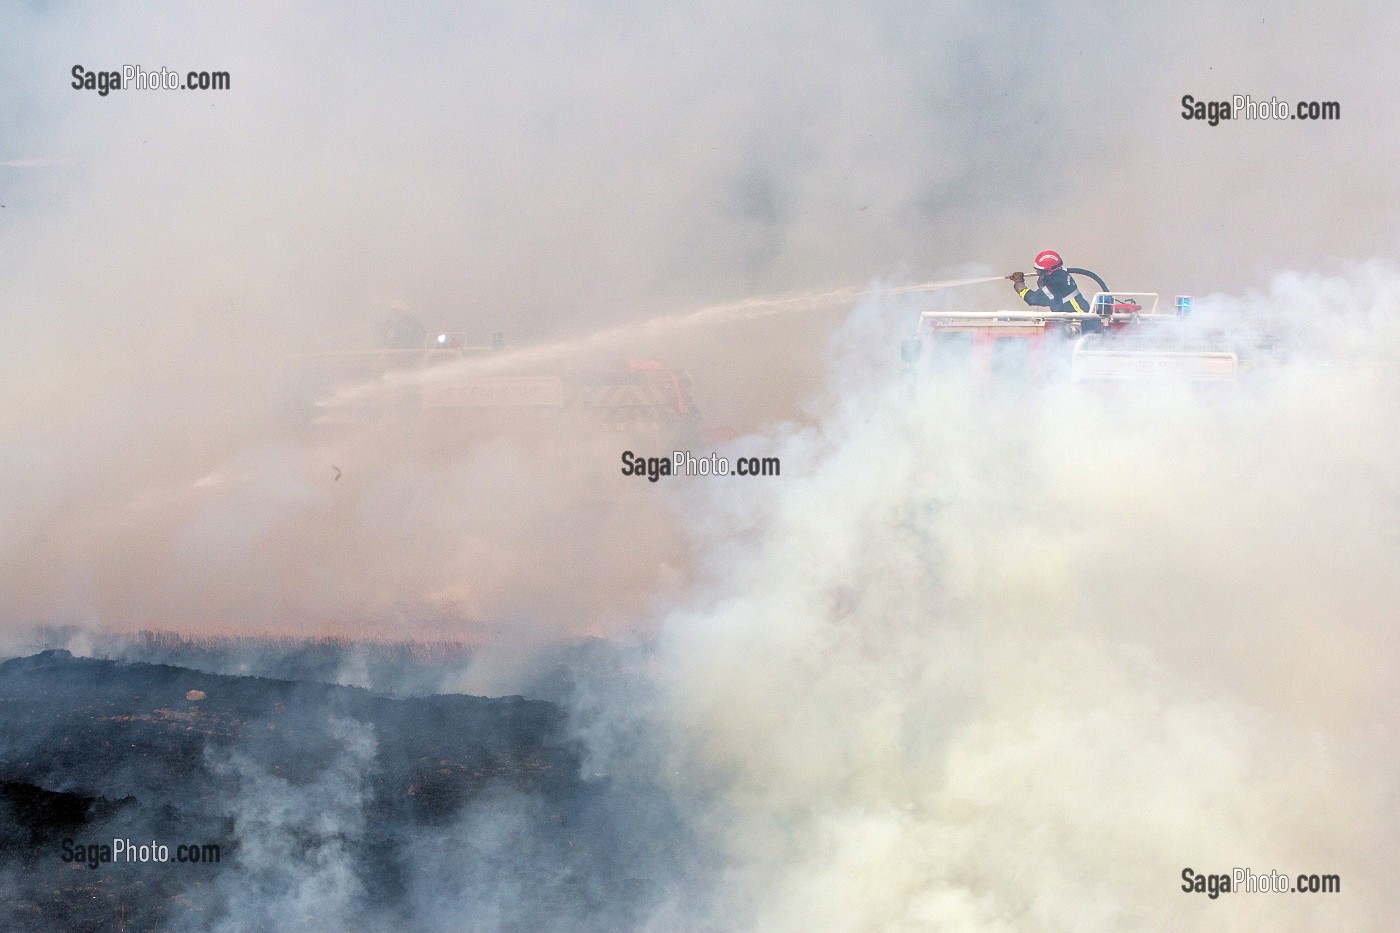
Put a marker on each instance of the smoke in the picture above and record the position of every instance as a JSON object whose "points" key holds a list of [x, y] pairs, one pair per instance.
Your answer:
{"points": [[985, 665], [295, 840], [551, 177], [1014, 664]]}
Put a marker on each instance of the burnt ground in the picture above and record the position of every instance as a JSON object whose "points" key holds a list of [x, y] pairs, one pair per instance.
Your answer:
{"points": [[288, 778]]}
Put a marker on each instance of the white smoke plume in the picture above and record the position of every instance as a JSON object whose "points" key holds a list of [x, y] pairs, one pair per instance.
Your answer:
{"points": [[294, 864], [1015, 664]]}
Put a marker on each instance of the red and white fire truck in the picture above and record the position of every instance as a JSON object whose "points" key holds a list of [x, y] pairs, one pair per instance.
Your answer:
{"points": [[1124, 338], [451, 392]]}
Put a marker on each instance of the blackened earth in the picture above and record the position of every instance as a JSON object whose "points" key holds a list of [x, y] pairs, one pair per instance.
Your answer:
{"points": [[433, 804]]}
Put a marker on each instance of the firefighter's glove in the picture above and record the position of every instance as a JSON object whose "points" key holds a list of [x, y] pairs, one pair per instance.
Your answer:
{"points": [[1018, 279]]}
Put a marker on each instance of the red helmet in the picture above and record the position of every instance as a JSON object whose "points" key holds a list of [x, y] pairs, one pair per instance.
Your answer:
{"points": [[1048, 261]]}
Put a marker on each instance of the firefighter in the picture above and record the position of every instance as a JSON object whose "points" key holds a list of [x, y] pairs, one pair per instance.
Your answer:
{"points": [[1055, 288]]}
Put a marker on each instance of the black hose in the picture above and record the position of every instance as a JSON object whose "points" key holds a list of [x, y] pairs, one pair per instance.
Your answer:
{"points": [[1092, 275]]}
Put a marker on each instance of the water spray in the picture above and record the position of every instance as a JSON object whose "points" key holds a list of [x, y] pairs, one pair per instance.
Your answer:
{"points": [[746, 309]]}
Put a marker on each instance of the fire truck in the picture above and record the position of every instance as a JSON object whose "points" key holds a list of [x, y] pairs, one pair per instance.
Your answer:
{"points": [[1125, 337], [447, 392]]}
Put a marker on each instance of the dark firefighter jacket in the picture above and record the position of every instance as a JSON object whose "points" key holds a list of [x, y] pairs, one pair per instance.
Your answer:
{"points": [[1056, 291]]}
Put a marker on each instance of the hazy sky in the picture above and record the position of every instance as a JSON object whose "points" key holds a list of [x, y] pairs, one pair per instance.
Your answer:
{"points": [[548, 170]]}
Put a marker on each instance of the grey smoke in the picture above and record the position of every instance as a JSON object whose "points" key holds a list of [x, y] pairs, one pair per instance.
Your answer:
{"points": [[967, 669], [1009, 665], [294, 864], [550, 176]]}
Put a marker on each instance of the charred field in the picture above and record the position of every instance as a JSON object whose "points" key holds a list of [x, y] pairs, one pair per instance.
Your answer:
{"points": [[302, 786]]}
